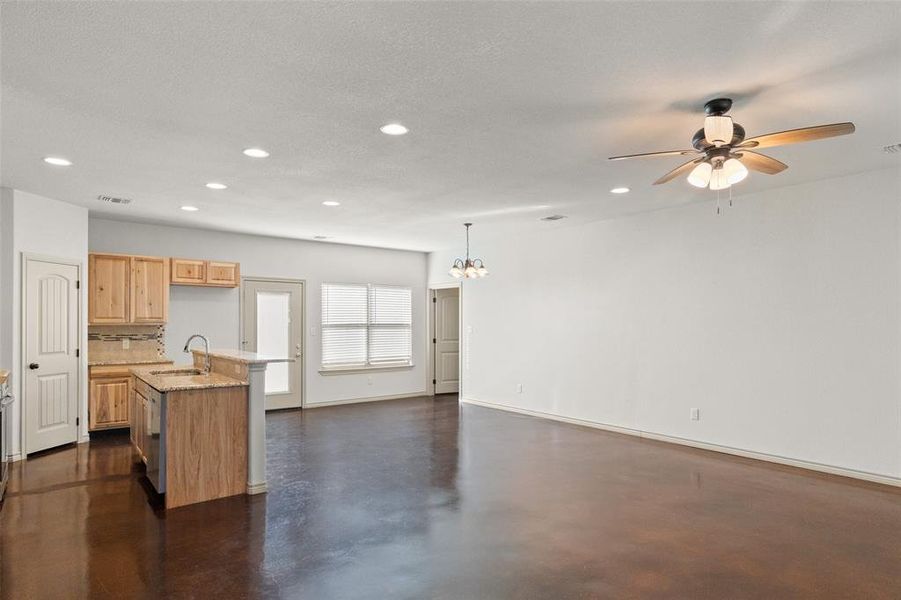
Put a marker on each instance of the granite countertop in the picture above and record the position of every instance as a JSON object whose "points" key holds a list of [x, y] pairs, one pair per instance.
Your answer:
{"points": [[111, 362], [155, 377], [241, 356]]}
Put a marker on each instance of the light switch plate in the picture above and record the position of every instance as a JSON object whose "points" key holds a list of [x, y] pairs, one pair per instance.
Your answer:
{"points": [[126, 344]]}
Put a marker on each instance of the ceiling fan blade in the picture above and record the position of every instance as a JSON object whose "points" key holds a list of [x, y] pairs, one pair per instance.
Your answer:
{"points": [[761, 162], [652, 154], [794, 136], [680, 170]]}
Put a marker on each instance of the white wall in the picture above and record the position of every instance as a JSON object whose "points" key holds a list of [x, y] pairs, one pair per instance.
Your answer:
{"points": [[779, 319], [31, 224], [215, 312]]}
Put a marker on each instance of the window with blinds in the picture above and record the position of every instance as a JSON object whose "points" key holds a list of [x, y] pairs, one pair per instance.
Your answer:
{"points": [[366, 325]]}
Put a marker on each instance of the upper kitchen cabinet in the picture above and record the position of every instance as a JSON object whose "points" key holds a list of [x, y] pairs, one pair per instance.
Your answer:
{"points": [[187, 271], [149, 289], [127, 289], [225, 274], [212, 273], [109, 289]]}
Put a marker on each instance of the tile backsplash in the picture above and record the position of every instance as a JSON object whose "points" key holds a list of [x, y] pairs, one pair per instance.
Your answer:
{"points": [[139, 342]]}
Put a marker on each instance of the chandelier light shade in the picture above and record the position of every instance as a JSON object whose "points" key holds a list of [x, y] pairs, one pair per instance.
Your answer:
{"points": [[468, 268], [700, 176], [719, 179], [718, 130], [735, 171]]}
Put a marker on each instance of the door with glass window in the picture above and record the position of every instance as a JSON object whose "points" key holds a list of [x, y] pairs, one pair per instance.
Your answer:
{"points": [[272, 324]]}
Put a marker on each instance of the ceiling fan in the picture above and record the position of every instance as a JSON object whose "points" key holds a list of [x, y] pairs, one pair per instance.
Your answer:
{"points": [[723, 155]]}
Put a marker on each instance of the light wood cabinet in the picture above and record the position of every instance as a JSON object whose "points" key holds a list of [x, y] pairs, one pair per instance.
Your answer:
{"points": [[127, 289], [111, 397], [186, 271], [150, 289], [109, 403], [211, 273], [225, 274], [138, 425], [109, 289]]}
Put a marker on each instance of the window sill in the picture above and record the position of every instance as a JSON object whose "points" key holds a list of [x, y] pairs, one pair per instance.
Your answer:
{"points": [[352, 370]]}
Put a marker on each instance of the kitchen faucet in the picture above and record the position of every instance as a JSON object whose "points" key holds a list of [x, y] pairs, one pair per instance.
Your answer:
{"points": [[206, 351]]}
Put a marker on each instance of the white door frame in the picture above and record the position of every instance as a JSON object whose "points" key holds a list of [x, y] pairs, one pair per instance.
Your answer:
{"points": [[430, 372], [303, 325], [23, 346]]}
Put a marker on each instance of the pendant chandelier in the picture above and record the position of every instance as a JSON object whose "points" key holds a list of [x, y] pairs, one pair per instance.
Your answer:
{"points": [[471, 268]]}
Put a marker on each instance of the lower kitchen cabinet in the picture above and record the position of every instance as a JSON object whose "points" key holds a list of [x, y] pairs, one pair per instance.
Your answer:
{"points": [[109, 402]]}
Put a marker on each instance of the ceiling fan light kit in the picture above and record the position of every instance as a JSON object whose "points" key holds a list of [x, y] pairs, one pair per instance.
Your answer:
{"points": [[725, 154], [468, 268]]}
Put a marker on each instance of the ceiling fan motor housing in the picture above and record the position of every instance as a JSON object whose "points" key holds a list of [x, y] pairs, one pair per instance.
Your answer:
{"points": [[718, 107]]}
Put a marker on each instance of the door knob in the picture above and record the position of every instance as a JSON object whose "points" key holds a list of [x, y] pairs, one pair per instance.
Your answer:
{"points": [[33, 366]]}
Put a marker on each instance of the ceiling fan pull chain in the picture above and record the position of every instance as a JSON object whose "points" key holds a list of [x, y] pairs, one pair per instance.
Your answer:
{"points": [[717, 202], [730, 196]]}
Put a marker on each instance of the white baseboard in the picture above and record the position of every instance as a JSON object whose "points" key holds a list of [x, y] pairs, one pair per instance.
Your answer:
{"points": [[773, 458], [257, 488], [369, 399], [16, 457]]}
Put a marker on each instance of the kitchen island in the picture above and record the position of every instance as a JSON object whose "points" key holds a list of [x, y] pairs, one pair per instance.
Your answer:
{"points": [[190, 429], [201, 428]]}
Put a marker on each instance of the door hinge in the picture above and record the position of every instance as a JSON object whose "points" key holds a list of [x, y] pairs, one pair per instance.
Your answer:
{"points": [[434, 299], [434, 340], [434, 381], [77, 353], [77, 421], [78, 284]]}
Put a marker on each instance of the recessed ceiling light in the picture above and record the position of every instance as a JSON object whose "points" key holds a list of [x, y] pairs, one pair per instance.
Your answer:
{"points": [[57, 161], [216, 186], [320, 237], [619, 190], [331, 203], [256, 153], [393, 129], [190, 208]]}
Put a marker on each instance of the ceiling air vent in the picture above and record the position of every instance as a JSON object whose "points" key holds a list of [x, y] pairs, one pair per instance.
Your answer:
{"points": [[553, 218], [113, 199], [892, 149]]}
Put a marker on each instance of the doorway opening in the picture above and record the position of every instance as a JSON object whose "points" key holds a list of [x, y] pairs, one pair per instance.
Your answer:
{"points": [[445, 337], [272, 323]]}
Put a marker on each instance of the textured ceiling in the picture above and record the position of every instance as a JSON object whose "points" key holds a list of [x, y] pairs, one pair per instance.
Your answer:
{"points": [[512, 107]]}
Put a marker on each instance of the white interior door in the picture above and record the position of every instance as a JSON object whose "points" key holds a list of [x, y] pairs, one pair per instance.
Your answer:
{"points": [[446, 340], [273, 324], [50, 354]]}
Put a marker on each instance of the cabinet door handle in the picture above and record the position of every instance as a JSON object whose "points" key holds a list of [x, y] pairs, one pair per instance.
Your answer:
{"points": [[33, 366]]}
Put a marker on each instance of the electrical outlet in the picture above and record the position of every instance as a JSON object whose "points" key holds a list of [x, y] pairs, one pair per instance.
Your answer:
{"points": [[126, 344], [518, 388], [696, 414]]}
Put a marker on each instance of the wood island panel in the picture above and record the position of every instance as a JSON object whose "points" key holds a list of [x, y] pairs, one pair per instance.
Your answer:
{"points": [[206, 444]]}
